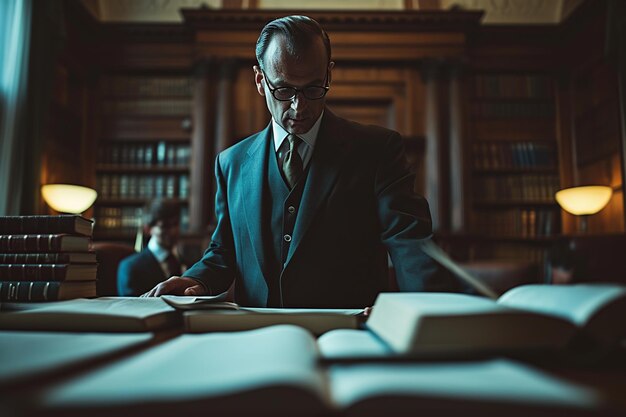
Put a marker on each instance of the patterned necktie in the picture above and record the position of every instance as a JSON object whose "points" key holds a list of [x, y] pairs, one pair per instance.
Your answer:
{"points": [[173, 265], [292, 164]]}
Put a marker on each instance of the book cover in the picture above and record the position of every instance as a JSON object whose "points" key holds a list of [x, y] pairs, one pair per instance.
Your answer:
{"points": [[36, 243], [49, 258], [65, 223], [47, 272], [45, 290]]}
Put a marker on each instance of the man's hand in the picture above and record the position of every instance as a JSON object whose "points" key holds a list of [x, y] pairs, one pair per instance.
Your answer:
{"points": [[177, 286]]}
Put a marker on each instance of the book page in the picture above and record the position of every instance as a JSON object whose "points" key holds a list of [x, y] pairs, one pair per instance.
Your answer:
{"points": [[352, 344], [450, 323], [321, 311], [317, 321], [454, 388], [100, 314], [28, 354], [271, 369], [207, 302], [577, 303]]}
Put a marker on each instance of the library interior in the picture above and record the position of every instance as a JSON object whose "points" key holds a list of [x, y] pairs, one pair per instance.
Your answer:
{"points": [[117, 120]]}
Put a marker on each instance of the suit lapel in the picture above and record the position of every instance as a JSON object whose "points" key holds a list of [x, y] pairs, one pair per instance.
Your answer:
{"points": [[254, 170], [330, 150]]}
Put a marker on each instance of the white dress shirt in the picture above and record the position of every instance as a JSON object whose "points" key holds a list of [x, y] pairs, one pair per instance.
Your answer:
{"points": [[161, 254], [308, 139]]}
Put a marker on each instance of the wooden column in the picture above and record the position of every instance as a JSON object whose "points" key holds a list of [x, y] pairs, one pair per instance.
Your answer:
{"points": [[224, 125], [200, 198], [458, 153], [437, 169]]}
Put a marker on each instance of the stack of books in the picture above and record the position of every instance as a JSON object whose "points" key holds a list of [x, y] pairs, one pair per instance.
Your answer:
{"points": [[46, 258]]}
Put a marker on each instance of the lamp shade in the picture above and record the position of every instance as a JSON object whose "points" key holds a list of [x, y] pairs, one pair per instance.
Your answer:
{"points": [[67, 198], [584, 200]]}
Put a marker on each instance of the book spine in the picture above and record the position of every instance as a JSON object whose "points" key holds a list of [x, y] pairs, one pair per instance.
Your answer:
{"points": [[27, 272], [21, 225], [30, 243], [34, 258], [29, 291]]}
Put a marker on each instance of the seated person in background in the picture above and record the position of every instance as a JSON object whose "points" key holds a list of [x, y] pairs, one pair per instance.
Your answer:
{"points": [[159, 260]]}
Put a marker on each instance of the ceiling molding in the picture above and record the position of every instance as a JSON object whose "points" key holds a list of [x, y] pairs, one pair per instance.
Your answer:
{"points": [[496, 12]]}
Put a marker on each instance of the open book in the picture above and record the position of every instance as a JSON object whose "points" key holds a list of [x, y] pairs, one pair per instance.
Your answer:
{"points": [[275, 371], [583, 317], [29, 356], [109, 314], [212, 314]]}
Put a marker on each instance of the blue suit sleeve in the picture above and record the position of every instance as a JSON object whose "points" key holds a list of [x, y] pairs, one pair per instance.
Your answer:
{"points": [[215, 270], [405, 219], [124, 279]]}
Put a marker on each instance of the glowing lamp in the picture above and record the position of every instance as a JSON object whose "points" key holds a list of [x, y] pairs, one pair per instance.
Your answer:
{"points": [[67, 198], [584, 201]]}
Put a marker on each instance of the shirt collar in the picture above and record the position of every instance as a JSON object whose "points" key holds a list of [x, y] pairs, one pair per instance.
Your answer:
{"points": [[309, 137], [159, 252]]}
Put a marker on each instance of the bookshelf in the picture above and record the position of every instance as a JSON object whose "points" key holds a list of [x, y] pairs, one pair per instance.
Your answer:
{"points": [[514, 164], [144, 149]]}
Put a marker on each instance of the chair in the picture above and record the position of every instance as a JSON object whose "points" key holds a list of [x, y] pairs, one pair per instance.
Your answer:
{"points": [[109, 255]]}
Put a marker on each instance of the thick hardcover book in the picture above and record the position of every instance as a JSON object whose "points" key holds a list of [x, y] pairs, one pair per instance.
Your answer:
{"points": [[47, 272], [274, 372], [48, 258], [45, 290], [540, 317], [212, 314], [108, 314], [24, 225], [43, 243]]}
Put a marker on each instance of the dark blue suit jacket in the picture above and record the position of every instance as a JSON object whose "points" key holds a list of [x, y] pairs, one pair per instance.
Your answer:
{"points": [[358, 203], [138, 274]]}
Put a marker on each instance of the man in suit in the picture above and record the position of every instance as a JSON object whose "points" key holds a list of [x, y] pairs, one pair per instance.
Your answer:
{"points": [[308, 208], [140, 272]]}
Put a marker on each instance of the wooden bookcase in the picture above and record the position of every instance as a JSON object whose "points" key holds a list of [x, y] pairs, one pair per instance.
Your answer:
{"points": [[514, 163], [144, 149], [504, 116]]}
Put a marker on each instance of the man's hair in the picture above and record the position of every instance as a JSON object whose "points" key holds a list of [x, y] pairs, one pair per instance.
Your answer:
{"points": [[300, 32], [160, 210]]}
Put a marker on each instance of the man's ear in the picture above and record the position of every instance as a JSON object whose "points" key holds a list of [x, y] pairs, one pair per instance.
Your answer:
{"points": [[258, 80], [331, 65]]}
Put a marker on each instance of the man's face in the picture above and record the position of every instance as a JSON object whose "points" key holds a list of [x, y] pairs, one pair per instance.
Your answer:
{"points": [[166, 232], [282, 70]]}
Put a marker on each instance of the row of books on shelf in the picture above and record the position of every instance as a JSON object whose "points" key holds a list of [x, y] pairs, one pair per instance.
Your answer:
{"points": [[516, 252], [516, 155], [147, 86], [128, 220], [46, 258], [512, 109], [150, 154], [513, 86], [163, 107], [142, 186], [533, 188], [518, 223]]}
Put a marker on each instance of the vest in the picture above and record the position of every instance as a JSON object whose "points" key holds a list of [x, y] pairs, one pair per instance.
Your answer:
{"points": [[283, 209]]}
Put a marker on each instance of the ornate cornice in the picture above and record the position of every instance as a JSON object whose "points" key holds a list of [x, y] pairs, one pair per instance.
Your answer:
{"points": [[337, 21], [148, 32]]}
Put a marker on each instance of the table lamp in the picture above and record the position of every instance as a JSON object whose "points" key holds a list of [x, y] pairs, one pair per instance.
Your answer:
{"points": [[584, 201], [68, 198]]}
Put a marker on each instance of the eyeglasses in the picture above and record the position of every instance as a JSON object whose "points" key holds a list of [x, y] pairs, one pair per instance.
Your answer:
{"points": [[312, 92]]}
